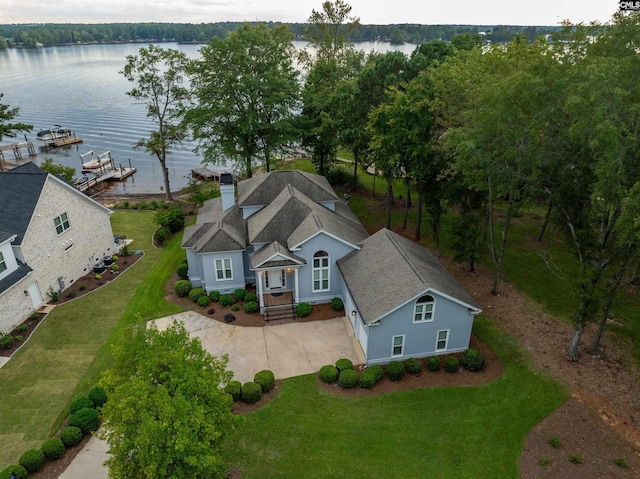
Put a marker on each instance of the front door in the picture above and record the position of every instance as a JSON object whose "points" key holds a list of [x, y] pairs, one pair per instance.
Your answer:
{"points": [[275, 279]]}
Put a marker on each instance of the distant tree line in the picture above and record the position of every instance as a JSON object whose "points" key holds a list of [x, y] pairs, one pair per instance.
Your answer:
{"points": [[23, 35]]}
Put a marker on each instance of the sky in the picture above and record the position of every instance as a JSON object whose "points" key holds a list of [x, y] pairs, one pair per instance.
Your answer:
{"points": [[428, 12]]}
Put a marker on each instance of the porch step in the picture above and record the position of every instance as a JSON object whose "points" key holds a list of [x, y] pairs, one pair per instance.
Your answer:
{"points": [[273, 314]]}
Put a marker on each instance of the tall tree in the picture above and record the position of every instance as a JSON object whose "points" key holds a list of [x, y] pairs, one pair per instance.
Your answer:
{"points": [[247, 92], [159, 77], [6, 115], [167, 413]]}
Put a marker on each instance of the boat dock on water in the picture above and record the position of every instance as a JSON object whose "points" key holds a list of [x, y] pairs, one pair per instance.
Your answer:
{"points": [[205, 173], [58, 136], [100, 168]]}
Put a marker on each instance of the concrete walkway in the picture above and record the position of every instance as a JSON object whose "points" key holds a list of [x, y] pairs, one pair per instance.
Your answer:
{"points": [[288, 350]]}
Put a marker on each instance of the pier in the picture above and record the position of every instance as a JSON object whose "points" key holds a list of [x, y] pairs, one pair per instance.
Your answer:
{"points": [[17, 149], [205, 173], [106, 171]]}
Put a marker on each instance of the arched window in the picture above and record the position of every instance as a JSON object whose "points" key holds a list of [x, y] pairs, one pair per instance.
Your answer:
{"points": [[321, 271], [424, 309]]}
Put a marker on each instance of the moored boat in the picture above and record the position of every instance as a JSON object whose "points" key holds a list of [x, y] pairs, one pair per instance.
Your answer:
{"points": [[56, 132], [97, 163]]}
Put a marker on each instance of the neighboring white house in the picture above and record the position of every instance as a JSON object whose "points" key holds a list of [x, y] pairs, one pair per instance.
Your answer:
{"points": [[289, 234], [50, 235]]}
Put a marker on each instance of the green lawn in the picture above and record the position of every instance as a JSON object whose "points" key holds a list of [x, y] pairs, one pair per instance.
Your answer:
{"points": [[64, 357]]}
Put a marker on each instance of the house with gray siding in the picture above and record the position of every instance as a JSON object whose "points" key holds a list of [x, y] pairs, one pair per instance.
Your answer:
{"points": [[287, 233]]}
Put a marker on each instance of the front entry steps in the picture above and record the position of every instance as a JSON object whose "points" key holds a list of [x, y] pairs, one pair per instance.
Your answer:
{"points": [[286, 312]]}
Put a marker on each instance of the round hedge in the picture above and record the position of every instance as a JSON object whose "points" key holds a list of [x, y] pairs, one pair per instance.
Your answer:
{"points": [[16, 469], [337, 304], [183, 271], [368, 379], [240, 294], [98, 396], [214, 296], [251, 307], [234, 388], [329, 373], [32, 460], [344, 363], [395, 370], [473, 360], [196, 293], [303, 309], [71, 436], [80, 403], [182, 287], [203, 301], [226, 300], [433, 363], [52, 449], [348, 378], [265, 379], [250, 297], [251, 393], [413, 366], [451, 364], [86, 419], [377, 370]]}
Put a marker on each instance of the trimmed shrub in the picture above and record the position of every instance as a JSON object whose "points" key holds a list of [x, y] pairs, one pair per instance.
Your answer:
{"points": [[115, 268], [473, 360], [98, 396], [52, 449], [235, 307], [6, 340], [203, 301], [251, 393], [182, 287], [251, 307], [344, 363], [250, 297], [17, 470], [80, 403], [171, 219], [303, 309], [433, 363], [214, 296], [196, 293], [183, 271], [451, 364], [162, 234], [32, 460], [71, 436], [234, 388], [348, 378], [368, 379], [395, 370], [226, 300], [265, 379], [329, 373], [377, 370], [87, 419], [337, 304], [413, 366], [239, 294]]}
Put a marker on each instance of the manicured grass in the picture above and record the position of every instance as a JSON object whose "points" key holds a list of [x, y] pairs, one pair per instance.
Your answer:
{"points": [[458, 432], [64, 357]]}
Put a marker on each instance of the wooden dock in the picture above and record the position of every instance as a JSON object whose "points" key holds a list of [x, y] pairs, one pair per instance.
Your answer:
{"points": [[67, 140], [207, 174], [17, 149], [90, 179]]}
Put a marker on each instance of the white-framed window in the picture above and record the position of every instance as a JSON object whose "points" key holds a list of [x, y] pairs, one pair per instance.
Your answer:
{"points": [[61, 223], [321, 271], [3, 263], [442, 340], [223, 269], [397, 347], [424, 309]]}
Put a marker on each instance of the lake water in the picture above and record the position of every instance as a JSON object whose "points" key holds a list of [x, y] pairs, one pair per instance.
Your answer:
{"points": [[80, 87]]}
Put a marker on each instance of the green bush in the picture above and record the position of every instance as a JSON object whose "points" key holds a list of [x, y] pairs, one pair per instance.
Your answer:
{"points": [[337, 304], [80, 403], [235, 307], [451, 364], [344, 363], [368, 379], [377, 370], [52, 449], [621, 462], [196, 293], [183, 271], [473, 360], [251, 307], [251, 393], [22, 328], [303, 309], [182, 287], [162, 234], [86, 419], [329, 373], [98, 396], [337, 176], [203, 301], [32, 460], [6, 340], [433, 363], [554, 441], [250, 297], [395, 370], [115, 268], [171, 219], [413, 366], [226, 300], [214, 296], [234, 388], [239, 294], [17, 470], [265, 379], [71, 436], [573, 458], [348, 378]]}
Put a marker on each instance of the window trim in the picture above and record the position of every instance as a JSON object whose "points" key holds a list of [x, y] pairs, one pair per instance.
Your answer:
{"points": [[394, 346], [222, 269], [320, 269], [3, 263], [446, 339], [424, 311], [61, 223]]}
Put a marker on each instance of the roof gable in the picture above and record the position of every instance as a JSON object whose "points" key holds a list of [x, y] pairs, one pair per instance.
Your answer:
{"points": [[274, 255]]}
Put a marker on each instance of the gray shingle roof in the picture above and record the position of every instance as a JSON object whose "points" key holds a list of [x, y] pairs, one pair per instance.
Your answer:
{"points": [[216, 230], [4, 236], [390, 270], [15, 276], [266, 256], [20, 189]]}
